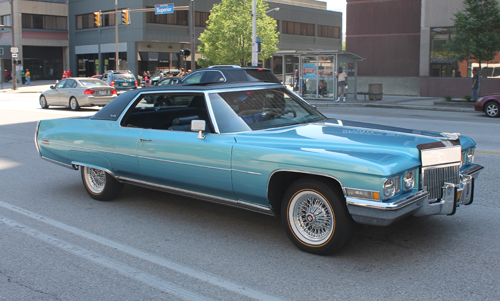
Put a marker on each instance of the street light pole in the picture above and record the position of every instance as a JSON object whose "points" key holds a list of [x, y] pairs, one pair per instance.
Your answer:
{"points": [[14, 75], [254, 33], [117, 59]]}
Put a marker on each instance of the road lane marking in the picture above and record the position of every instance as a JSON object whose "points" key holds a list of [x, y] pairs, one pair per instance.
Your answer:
{"points": [[202, 276], [487, 152], [128, 271]]}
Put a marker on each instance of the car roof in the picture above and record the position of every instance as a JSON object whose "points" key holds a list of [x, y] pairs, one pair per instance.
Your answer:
{"points": [[113, 110]]}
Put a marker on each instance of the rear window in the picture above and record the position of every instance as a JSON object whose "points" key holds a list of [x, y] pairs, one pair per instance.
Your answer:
{"points": [[262, 75], [124, 76], [90, 82]]}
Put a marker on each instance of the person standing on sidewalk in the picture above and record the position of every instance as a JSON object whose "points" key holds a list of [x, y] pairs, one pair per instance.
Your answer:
{"points": [[23, 78], [341, 83], [475, 83], [28, 77]]}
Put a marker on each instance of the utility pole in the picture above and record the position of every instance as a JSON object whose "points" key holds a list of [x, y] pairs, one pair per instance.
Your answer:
{"points": [[254, 33], [117, 59], [14, 73], [193, 34]]}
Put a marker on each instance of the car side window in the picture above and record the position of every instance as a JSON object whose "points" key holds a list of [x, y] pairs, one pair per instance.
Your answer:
{"points": [[194, 78], [212, 77], [167, 111], [61, 84], [70, 83]]}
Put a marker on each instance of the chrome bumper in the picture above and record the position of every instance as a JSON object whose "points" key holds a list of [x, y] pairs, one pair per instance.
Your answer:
{"points": [[417, 204]]}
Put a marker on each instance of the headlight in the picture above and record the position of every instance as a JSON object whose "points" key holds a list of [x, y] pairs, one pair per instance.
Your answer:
{"points": [[389, 188], [409, 180], [470, 156], [479, 99]]}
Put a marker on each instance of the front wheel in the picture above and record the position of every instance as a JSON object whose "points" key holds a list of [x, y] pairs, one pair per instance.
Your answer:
{"points": [[315, 218], [73, 104], [99, 184], [492, 109], [43, 102]]}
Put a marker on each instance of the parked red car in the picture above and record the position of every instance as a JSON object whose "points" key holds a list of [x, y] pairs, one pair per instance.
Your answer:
{"points": [[489, 104]]}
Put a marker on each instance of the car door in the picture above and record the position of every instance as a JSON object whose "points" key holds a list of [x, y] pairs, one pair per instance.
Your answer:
{"points": [[53, 97], [171, 155]]}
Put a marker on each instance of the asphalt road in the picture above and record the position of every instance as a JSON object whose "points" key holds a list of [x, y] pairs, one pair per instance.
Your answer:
{"points": [[56, 243]]}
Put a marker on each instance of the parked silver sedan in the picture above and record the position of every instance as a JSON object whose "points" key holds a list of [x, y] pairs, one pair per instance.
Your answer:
{"points": [[78, 92]]}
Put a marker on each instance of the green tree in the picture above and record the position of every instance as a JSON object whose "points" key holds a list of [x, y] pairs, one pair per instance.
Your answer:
{"points": [[477, 31], [227, 40]]}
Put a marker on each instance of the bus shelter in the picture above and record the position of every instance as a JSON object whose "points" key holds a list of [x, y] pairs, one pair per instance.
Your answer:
{"points": [[312, 73]]}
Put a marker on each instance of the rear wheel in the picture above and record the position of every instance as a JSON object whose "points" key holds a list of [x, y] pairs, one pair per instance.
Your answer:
{"points": [[99, 184], [43, 102], [73, 104], [492, 109], [315, 218]]}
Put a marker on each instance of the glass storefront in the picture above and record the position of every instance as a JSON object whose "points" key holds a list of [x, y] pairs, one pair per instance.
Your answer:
{"points": [[43, 62]]}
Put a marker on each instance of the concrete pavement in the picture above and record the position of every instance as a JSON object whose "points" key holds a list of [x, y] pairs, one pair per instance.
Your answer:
{"points": [[388, 101]]}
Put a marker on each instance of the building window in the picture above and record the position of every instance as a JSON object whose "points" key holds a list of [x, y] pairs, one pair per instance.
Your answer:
{"points": [[201, 18], [6, 20], [328, 31], [441, 63], [177, 18], [304, 29], [85, 21], [44, 22]]}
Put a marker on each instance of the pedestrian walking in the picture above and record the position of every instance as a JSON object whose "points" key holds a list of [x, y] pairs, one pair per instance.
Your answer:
{"points": [[64, 74], [475, 83], [23, 77], [7, 76], [341, 84], [28, 76], [68, 73]]}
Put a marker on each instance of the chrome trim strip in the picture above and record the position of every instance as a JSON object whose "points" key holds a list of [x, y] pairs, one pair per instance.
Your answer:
{"points": [[473, 170], [202, 196], [304, 172], [91, 149], [57, 162], [389, 206], [248, 172], [211, 114], [182, 163], [155, 159], [36, 138], [74, 163]]}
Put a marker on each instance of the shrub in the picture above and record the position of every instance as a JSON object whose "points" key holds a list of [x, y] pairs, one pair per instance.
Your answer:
{"points": [[468, 98], [447, 98]]}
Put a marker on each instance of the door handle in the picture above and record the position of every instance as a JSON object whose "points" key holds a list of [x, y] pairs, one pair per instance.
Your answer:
{"points": [[142, 140]]}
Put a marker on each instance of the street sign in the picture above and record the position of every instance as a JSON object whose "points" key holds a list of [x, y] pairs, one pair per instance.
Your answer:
{"points": [[14, 55], [162, 9], [14, 49]]}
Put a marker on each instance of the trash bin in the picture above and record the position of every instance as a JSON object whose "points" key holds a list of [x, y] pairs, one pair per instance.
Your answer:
{"points": [[375, 88]]}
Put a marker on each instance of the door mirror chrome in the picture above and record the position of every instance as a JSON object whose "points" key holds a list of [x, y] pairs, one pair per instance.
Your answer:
{"points": [[198, 125]]}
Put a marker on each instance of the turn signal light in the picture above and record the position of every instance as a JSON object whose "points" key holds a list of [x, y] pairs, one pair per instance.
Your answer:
{"points": [[135, 83], [88, 91]]}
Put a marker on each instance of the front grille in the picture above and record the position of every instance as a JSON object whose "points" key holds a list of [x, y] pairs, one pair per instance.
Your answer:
{"points": [[435, 177]]}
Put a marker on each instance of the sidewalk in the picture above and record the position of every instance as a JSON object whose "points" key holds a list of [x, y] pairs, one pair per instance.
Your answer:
{"points": [[389, 102], [36, 86]]}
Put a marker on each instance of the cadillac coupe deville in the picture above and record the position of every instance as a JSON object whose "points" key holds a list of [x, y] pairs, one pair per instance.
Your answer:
{"points": [[261, 147]]}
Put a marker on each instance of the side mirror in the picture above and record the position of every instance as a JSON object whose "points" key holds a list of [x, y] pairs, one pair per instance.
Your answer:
{"points": [[198, 125], [52, 87]]}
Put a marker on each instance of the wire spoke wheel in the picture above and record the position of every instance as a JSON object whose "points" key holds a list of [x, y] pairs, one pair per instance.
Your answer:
{"points": [[315, 216], [99, 184], [96, 179], [312, 217]]}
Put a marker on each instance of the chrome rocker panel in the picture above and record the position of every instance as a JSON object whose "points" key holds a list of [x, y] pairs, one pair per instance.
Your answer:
{"points": [[418, 204]]}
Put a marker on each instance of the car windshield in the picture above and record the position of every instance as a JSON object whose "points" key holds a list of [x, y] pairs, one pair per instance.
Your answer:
{"points": [[124, 76], [92, 82], [260, 109]]}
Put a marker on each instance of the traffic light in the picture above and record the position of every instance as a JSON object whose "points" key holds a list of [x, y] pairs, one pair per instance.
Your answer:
{"points": [[125, 16], [97, 18], [185, 52]]}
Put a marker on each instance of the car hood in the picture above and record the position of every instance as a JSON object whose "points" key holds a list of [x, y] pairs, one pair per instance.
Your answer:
{"points": [[384, 149]]}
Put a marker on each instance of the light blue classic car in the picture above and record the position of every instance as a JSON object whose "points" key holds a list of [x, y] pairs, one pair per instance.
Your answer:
{"points": [[260, 147]]}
